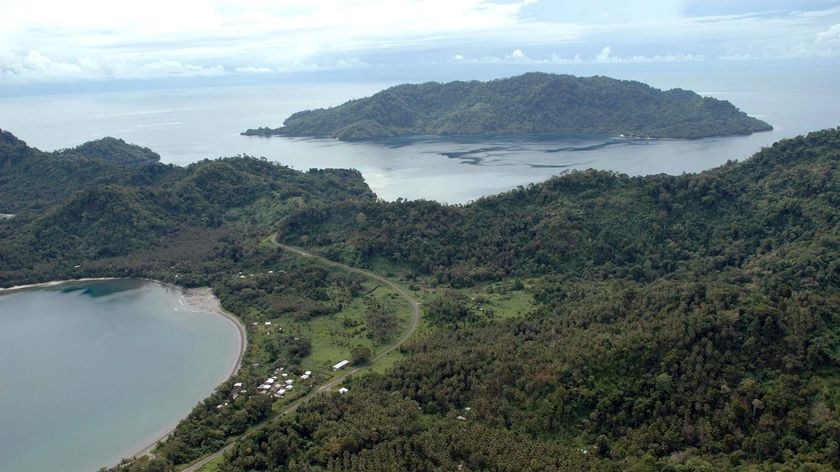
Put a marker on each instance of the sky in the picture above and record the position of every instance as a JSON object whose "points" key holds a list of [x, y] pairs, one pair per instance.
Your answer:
{"points": [[113, 40]]}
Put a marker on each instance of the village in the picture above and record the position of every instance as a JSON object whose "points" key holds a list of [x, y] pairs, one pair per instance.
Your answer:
{"points": [[281, 383]]}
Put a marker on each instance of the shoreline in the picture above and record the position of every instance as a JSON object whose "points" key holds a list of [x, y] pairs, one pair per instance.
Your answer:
{"points": [[53, 283], [200, 299], [205, 300]]}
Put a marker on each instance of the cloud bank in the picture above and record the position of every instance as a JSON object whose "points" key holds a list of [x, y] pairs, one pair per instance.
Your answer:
{"points": [[98, 39]]}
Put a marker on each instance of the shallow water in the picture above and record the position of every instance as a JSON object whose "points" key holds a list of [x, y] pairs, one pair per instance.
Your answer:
{"points": [[187, 125], [92, 372]]}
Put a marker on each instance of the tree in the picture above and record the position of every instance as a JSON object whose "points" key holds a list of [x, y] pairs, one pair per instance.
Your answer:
{"points": [[450, 308], [360, 354]]}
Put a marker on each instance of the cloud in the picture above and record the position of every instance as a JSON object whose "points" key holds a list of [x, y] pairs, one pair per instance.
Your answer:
{"points": [[606, 56], [829, 38], [84, 39], [254, 70]]}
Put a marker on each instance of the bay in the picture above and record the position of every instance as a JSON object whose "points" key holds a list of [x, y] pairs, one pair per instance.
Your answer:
{"points": [[91, 372], [186, 125]]}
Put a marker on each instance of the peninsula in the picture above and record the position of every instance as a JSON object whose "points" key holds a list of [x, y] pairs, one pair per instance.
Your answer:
{"points": [[533, 103]]}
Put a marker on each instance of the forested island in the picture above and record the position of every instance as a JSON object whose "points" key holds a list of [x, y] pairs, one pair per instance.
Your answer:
{"points": [[591, 322], [533, 103]]}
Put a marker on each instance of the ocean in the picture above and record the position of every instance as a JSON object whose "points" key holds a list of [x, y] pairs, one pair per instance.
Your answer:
{"points": [[185, 125], [92, 372]]}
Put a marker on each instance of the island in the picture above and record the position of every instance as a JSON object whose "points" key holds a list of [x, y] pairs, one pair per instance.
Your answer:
{"points": [[532, 103]]}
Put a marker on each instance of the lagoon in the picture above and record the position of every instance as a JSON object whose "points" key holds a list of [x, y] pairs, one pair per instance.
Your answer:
{"points": [[91, 372]]}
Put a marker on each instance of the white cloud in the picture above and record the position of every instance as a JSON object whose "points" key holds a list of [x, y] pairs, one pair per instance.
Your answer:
{"points": [[47, 40], [605, 55], [217, 33], [829, 38], [254, 70]]}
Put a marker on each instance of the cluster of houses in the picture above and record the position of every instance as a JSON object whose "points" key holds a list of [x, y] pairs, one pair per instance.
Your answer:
{"points": [[267, 325], [237, 390], [280, 383], [242, 276]]}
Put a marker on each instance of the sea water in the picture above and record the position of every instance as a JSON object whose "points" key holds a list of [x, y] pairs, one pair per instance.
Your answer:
{"points": [[91, 372], [186, 125]]}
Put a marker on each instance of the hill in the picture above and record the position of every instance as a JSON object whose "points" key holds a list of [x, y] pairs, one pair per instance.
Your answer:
{"points": [[533, 103], [678, 323], [115, 151], [594, 321], [108, 199]]}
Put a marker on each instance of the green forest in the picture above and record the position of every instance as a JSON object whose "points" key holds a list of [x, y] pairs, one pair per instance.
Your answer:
{"points": [[595, 321], [533, 103]]}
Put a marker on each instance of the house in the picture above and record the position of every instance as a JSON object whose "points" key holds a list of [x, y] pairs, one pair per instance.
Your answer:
{"points": [[237, 385], [341, 365], [343, 390]]}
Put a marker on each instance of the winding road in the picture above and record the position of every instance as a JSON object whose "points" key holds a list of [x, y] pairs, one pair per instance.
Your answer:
{"points": [[337, 379]]}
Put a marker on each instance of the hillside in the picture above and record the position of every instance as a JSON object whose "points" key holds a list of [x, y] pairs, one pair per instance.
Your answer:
{"points": [[678, 323], [596, 222], [33, 180], [97, 201], [594, 321], [115, 151], [533, 103]]}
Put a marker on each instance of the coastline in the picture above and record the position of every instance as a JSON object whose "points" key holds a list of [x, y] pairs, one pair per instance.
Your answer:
{"points": [[199, 299], [53, 283]]}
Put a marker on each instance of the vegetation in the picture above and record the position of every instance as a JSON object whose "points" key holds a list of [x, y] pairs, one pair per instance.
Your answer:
{"points": [[533, 103], [681, 323], [113, 150], [591, 322]]}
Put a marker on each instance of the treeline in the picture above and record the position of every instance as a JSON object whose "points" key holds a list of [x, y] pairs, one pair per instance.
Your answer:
{"points": [[532, 103], [79, 211], [600, 223]]}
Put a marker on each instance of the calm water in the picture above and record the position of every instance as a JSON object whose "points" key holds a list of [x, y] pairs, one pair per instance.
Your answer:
{"points": [[92, 372], [188, 125]]}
